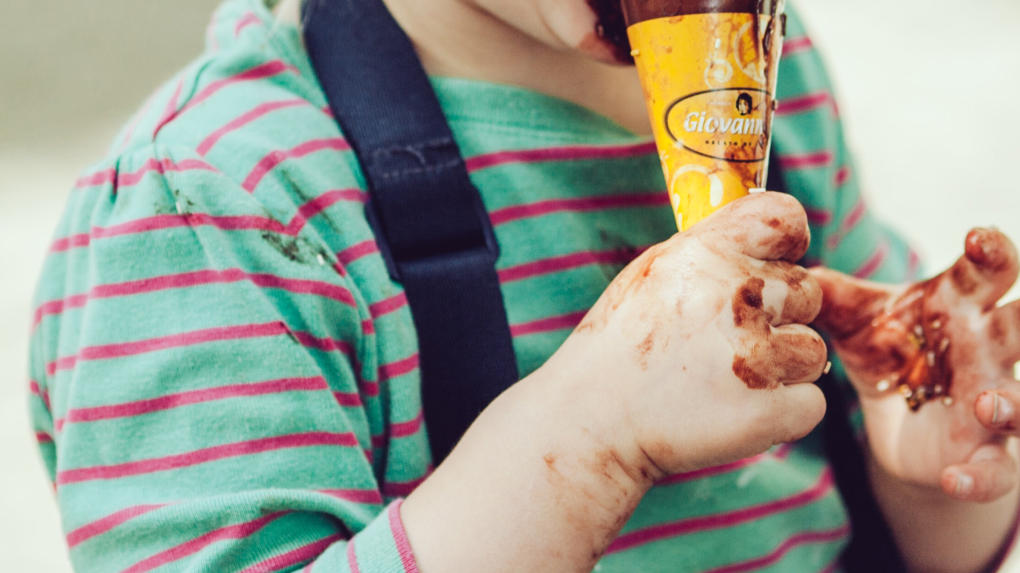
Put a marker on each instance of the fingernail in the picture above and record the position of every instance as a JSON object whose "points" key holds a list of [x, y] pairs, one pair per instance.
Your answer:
{"points": [[964, 485], [1003, 411]]}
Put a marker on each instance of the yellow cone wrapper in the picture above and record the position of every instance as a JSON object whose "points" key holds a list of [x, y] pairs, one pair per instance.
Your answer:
{"points": [[709, 81]]}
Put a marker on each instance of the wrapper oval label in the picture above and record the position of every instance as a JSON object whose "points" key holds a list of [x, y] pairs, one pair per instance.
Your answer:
{"points": [[726, 124]]}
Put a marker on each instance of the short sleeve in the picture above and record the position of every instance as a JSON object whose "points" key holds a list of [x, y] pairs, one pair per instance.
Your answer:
{"points": [[198, 382]]}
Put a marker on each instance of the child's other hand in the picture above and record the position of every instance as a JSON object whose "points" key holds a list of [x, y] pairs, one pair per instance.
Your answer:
{"points": [[701, 345], [943, 335]]}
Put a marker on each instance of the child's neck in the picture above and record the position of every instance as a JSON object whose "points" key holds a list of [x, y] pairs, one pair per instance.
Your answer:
{"points": [[455, 38]]}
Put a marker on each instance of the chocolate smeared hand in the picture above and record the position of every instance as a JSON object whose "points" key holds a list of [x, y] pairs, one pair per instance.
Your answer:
{"points": [[926, 340]]}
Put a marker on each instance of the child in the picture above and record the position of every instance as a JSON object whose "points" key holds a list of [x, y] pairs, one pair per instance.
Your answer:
{"points": [[226, 378]]}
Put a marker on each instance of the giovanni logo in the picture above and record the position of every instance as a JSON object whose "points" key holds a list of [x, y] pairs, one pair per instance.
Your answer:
{"points": [[726, 124]]}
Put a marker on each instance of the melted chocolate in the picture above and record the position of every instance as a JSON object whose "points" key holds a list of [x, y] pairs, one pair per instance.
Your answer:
{"points": [[926, 374]]}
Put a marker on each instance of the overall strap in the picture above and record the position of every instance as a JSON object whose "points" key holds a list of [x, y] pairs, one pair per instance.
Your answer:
{"points": [[428, 218]]}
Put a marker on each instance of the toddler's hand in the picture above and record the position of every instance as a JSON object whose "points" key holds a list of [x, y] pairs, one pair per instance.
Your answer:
{"points": [[942, 340], [700, 345]]}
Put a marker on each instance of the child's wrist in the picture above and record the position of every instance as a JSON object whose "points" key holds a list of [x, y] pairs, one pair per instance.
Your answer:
{"points": [[593, 424]]}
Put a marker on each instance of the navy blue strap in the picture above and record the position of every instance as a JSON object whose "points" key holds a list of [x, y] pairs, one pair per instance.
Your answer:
{"points": [[428, 218]]}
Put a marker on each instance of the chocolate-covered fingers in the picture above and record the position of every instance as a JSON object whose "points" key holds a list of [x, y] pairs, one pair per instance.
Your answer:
{"points": [[764, 226], [848, 304], [989, 474], [996, 410], [987, 269], [792, 295], [791, 354]]}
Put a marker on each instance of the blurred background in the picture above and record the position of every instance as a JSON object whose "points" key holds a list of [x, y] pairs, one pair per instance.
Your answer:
{"points": [[930, 93]]}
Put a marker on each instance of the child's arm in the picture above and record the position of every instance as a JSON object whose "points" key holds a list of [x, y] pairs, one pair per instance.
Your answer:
{"points": [[943, 474], [695, 356]]}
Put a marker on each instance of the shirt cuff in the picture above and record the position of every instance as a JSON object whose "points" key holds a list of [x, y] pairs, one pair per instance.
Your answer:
{"points": [[382, 547]]}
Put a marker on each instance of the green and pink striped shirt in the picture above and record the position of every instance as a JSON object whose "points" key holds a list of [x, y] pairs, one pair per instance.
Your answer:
{"points": [[224, 377]]}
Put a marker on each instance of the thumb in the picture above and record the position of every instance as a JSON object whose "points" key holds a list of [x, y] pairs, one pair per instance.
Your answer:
{"points": [[848, 304]]}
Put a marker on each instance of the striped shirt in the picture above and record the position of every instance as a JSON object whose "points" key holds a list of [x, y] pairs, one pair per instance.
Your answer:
{"points": [[224, 377]]}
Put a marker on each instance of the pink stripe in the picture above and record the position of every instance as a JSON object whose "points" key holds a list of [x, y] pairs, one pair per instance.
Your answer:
{"points": [[295, 556], [206, 455], [565, 153], [367, 326], [350, 399], [321, 203], [712, 471], [797, 45], [170, 111], [192, 279], [548, 324], [159, 222], [565, 262], [400, 538], [352, 558], [172, 341], [818, 216], [99, 178], [371, 496], [805, 538], [101, 526], [34, 388], [152, 165], [65, 363], [402, 489], [274, 158], [357, 251], [578, 205], [243, 120], [842, 176], [369, 388], [43, 438], [239, 531], [161, 166], [722, 520], [807, 102], [244, 21], [783, 451], [259, 72], [913, 264], [871, 266], [389, 305], [398, 368], [305, 286], [806, 160], [178, 400], [326, 344], [409, 428], [853, 218]]}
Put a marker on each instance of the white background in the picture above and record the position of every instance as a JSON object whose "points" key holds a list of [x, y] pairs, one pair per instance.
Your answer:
{"points": [[930, 94]]}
